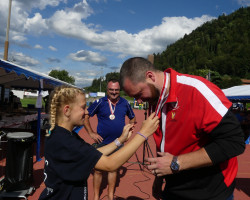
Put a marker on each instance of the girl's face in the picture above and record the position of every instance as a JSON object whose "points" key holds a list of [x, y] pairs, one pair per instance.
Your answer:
{"points": [[78, 110]]}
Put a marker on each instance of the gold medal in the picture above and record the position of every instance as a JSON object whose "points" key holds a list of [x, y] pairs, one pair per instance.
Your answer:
{"points": [[112, 117]]}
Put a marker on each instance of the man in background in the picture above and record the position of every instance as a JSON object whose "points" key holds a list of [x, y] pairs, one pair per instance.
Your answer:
{"points": [[111, 111]]}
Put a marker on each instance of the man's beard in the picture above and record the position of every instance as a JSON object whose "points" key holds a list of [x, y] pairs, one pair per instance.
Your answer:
{"points": [[155, 94]]}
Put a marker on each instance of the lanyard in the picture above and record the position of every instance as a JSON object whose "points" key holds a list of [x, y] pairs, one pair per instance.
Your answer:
{"points": [[112, 111], [162, 99]]}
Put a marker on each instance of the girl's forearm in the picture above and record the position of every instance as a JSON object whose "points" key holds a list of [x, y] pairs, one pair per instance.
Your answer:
{"points": [[117, 159]]}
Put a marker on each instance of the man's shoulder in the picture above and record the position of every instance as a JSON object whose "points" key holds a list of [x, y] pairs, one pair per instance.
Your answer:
{"points": [[123, 100], [103, 99], [96, 104]]}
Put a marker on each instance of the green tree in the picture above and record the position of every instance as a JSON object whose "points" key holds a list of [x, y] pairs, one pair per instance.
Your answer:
{"points": [[227, 82], [221, 45], [213, 76], [112, 75], [62, 75], [96, 85]]}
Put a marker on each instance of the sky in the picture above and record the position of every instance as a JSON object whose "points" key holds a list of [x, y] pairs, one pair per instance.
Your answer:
{"points": [[91, 38]]}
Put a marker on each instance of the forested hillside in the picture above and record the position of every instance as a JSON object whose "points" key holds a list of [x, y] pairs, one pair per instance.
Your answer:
{"points": [[221, 47]]}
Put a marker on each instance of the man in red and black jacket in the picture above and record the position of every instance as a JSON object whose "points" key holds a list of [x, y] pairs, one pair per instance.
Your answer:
{"points": [[198, 138]]}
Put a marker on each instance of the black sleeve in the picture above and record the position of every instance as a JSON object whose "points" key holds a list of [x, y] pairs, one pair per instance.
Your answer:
{"points": [[227, 139]]}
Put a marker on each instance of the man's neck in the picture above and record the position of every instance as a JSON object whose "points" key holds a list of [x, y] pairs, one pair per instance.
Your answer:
{"points": [[160, 82], [114, 101]]}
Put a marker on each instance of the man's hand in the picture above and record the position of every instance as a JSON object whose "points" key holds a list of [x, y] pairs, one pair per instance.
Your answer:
{"points": [[96, 137], [161, 165]]}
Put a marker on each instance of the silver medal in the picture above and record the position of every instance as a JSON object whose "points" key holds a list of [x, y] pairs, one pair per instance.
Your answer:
{"points": [[112, 117]]}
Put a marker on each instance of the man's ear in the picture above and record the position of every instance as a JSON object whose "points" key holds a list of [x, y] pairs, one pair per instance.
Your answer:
{"points": [[150, 76], [66, 110]]}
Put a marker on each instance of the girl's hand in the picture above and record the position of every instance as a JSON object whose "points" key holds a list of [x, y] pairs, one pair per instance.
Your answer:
{"points": [[126, 133], [150, 125]]}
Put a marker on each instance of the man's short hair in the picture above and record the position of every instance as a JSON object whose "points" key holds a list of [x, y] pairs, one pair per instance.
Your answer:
{"points": [[113, 80], [135, 69]]}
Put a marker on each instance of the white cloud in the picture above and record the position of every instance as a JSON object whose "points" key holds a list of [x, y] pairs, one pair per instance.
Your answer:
{"points": [[38, 46], [52, 48], [152, 40], [147, 41], [35, 25], [244, 2], [53, 60], [54, 68], [89, 57], [131, 12], [72, 15], [84, 78], [70, 23], [81, 81], [40, 4], [22, 59], [20, 22], [18, 37], [4, 7]]}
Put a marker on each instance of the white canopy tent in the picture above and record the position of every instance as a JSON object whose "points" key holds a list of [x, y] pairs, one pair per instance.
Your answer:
{"points": [[239, 93]]}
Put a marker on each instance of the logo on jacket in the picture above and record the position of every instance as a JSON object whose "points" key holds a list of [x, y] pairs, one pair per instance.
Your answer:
{"points": [[173, 115]]}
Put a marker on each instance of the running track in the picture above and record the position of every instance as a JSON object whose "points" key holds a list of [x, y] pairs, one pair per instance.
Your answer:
{"points": [[134, 181]]}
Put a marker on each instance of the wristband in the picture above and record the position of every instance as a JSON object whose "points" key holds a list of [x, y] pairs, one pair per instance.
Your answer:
{"points": [[117, 142], [142, 135]]}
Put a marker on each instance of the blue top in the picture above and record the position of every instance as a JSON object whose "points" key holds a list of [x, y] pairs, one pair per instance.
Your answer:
{"points": [[107, 128]]}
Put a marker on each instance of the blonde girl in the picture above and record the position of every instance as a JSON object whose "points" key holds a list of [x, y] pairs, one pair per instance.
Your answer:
{"points": [[69, 159]]}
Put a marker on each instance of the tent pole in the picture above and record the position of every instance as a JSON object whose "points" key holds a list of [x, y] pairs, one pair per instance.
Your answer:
{"points": [[39, 106], [38, 135], [6, 44]]}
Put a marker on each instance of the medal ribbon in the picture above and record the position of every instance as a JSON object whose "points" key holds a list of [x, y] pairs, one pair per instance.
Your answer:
{"points": [[162, 95], [112, 111]]}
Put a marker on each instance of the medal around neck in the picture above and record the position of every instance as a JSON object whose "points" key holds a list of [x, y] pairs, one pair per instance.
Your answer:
{"points": [[112, 111], [112, 116]]}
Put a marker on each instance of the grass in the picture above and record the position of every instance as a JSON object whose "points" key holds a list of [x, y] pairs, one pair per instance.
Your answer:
{"points": [[26, 101]]}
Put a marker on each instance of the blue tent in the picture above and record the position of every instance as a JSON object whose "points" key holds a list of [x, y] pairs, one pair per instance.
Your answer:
{"points": [[18, 77]]}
